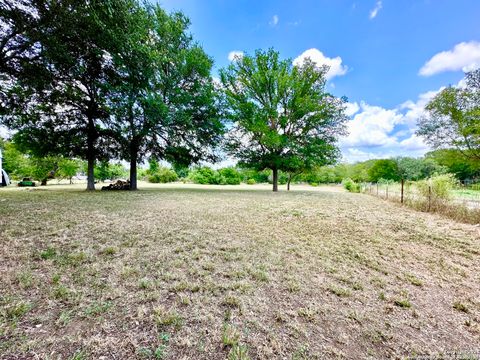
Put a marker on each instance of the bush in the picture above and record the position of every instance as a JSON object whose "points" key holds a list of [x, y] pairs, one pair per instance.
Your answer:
{"points": [[163, 175], [203, 175], [231, 176], [438, 186], [251, 182], [313, 184], [260, 177], [351, 185]]}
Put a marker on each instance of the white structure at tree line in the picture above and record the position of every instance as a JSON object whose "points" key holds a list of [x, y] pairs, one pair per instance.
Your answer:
{"points": [[4, 180]]}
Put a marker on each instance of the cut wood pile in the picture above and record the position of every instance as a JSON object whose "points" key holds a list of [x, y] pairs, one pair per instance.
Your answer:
{"points": [[118, 185]]}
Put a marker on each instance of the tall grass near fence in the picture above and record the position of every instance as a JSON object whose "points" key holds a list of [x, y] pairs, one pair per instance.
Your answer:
{"points": [[441, 194]]}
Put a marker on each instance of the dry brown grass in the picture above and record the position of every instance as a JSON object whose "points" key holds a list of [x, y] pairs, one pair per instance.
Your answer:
{"points": [[185, 272]]}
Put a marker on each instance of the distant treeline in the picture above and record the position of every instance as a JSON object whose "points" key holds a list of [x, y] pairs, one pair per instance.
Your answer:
{"points": [[20, 164]]}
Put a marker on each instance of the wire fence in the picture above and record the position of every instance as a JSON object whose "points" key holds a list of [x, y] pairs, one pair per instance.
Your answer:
{"points": [[460, 203]]}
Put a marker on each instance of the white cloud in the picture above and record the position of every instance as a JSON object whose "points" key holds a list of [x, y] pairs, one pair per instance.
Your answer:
{"points": [[235, 54], [4, 133], [274, 21], [464, 56], [335, 64], [355, 155], [351, 108], [376, 9], [376, 132], [372, 127]]}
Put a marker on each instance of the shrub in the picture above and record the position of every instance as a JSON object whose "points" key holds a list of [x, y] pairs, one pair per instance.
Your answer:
{"points": [[260, 177], [251, 182], [163, 175], [438, 186], [313, 184], [205, 175], [351, 185], [230, 175]]}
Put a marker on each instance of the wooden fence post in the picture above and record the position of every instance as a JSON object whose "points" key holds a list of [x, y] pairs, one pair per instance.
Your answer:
{"points": [[429, 197], [401, 194]]}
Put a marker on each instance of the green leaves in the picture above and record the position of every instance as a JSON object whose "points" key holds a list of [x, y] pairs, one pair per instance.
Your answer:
{"points": [[282, 117], [453, 118]]}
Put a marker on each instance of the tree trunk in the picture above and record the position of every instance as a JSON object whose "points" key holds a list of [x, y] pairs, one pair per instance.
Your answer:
{"points": [[133, 166], [90, 155], [289, 181], [275, 179]]}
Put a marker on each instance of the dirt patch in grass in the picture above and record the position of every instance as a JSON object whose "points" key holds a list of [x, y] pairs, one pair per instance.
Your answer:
{"points": [[209, 273]]}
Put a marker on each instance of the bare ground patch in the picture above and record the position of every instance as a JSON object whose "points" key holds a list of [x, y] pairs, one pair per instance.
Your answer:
{"points": [[201, 273]]}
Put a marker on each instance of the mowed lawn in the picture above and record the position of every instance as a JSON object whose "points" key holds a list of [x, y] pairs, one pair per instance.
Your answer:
{"points": [[185, 272]]}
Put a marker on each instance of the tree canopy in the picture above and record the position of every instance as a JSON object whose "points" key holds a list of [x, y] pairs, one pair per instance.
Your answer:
{"points": [[282, 117], [453, 118], [106, 79]]}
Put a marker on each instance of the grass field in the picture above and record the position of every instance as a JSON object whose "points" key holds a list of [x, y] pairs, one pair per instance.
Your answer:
{"points": [[198, 272]]}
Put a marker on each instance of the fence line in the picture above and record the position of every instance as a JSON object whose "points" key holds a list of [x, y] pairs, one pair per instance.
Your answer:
{"points": [[463, 204]]}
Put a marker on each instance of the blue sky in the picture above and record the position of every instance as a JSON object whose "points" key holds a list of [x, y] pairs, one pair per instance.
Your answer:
{"points": [[388, 57]]}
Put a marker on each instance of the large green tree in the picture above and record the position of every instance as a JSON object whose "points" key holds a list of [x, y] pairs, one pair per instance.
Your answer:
{"points": [[57, 87], [385, 169], [453, 118], [283, 118], [456, 163], [165, 103]]}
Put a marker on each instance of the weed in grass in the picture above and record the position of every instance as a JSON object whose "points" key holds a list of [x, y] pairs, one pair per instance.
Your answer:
{"points": [[412, 279], [160, 352], [377, 336], [293, 286], [238, 352], [357, 286], [15, 310], [403, 303], [61, 292], [308, 313], [259, 275], [230, 335], [164, 318], [64, 318], [457, 305], [25, 279], [48, 253], [79, 355], [145, 284], [208, 266], [184, 300], [128, 272], [340, 292], [56, 279], [280, 317], [96, 309], [144, 353], [109, 251], [381, 295], [228, 315], [353, 315], [378, 282], [164, 337], [232, 301], [76, 259], [301, 353]]}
